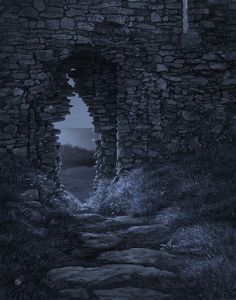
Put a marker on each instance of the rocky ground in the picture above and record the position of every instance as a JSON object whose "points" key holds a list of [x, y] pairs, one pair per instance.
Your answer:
{"points": [[53, 247], [120, 258], [126, 257], [91, 256]]}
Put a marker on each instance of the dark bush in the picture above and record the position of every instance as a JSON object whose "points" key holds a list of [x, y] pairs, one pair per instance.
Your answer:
{"points": [[32, 238], [199, 189], [73, 156], [202, 184], [15, 174]]}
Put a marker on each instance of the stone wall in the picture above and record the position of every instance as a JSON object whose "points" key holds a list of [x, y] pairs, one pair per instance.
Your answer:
{"points": [[151, 89]]}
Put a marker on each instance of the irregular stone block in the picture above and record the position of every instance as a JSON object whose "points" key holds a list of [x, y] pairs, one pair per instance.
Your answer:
{"points": [[189, 116], [104, 275], [44, 55], [53, 12], [155, 17], [20, 151], [139, 256], [190, 40], [52, 24], [162, 84], [100, 241], [28, 12], [12, 129], [18, 92], [161, 68], [39, 5], [117, 19], [67, 23]]}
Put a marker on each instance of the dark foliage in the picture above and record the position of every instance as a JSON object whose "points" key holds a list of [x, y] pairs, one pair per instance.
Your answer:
{"points": [[200, 189], [76, 157], [203, 184], [15, 175], [35, 235]]}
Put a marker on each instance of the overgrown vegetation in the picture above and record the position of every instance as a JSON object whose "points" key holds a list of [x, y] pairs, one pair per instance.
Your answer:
{"points": [[15, 175], [203, 184], [209, 273], [201, 189], [39, 234], [35, 234], [73, 156]]}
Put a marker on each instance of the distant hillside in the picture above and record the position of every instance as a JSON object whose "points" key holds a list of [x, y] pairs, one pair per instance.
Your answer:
{"points": [[73, 156], [81, 137]]}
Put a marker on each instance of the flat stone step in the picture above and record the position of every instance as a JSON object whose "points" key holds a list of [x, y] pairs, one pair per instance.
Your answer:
{"points": [[131, 293], [146, 229], [87, 218], [145, 236], [124, 221], [101, 241], [105, 276], [110, 223], [141, 256]]}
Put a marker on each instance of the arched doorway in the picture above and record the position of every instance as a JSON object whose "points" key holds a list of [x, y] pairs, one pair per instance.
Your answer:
{"points": [[88, 83]]}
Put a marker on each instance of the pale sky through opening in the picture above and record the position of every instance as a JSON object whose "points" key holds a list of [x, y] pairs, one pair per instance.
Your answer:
{"points": [[77, 128], [79, 116]]}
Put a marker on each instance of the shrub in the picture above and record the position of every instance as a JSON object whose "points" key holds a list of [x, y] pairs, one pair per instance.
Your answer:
{"points": [[15, 175], [32, 237], [199, 189], [210, 276], [202, 184], [132, 194]]}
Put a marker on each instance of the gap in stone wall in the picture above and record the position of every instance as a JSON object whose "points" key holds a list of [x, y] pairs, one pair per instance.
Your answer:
{"points": [[95, 79], [77, 147], [91, 79], [78, 119]]}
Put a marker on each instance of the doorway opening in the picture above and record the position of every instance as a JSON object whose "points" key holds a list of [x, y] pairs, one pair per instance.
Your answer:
{"points": [[86, 86], [77, 150]]}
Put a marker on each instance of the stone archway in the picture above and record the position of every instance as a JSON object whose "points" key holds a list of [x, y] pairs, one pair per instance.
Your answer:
{"points": [[170, 97], [95, 82]]}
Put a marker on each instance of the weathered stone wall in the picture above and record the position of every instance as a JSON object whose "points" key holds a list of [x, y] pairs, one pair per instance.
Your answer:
{"points": [[152, 90]]}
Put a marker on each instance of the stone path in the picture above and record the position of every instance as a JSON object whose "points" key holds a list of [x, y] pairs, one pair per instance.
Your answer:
{"points": [[125, 258], [169, 255]]}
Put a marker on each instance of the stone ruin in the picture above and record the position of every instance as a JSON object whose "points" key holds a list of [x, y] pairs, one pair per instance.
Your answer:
{"points": [[158, 77]]}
